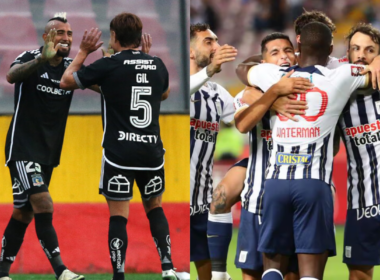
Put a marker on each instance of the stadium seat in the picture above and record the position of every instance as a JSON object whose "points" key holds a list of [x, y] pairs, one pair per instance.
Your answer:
{"points": [[152, 26], [144, 7], [79, 25], [18, 7], [81, 8], [17, 32]]}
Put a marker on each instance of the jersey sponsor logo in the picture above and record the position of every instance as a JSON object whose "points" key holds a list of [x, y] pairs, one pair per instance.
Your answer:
{"points": [[267, 135], [134, 137], [119, 184], [292, 159], [37, 180], [364, 134], [199, 209], [212, 126], [355, 70], [239, 104], [344, 59], [45, 75], [55, 81], [154, 185], [299, 132], [206, 136], [52, 90], [141, 64], [368, 212]]}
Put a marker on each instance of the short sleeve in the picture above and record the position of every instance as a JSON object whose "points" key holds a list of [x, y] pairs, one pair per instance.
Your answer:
{"points": [[264, 75], [228, 108], [23, 58], [164, 74], [350, 77], [92, 74], [334, 62], [238, 103]]}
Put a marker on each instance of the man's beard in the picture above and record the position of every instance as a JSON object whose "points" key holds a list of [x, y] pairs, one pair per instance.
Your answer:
{"points": [[202, 61], [63, 54]]}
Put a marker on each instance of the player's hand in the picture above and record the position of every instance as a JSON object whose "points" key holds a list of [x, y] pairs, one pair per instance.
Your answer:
{"points": [[288, 106], [289, 85], [146, 43], [222, 55], [90, 40], [49, 51], [108, 52], [374, 68]]}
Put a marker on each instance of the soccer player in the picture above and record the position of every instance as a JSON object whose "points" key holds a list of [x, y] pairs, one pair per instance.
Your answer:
{"points": [[34, 143], [209, 105], [359, 126], [132, 84], [297, 188], [276, 48]]}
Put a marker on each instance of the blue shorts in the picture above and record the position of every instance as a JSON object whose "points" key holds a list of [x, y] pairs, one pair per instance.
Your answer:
{"points": [[247, 255], [198, 237], [297, 217], [362, 236], [241, 163]]}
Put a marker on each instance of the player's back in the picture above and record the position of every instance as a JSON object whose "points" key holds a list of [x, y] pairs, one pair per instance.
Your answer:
{"points": [[132, 84], [303, 149]]}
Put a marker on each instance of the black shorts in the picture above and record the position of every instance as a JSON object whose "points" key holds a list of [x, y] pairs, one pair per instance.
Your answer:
{"points": [[28, 178], [117, 184]]}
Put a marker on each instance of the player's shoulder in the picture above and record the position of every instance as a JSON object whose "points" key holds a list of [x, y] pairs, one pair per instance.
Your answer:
{"points": [[335, 62], [216, 88]]}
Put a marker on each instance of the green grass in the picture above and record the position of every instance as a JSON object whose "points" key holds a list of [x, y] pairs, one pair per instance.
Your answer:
{"points": [[335, 269], [88, 277]]}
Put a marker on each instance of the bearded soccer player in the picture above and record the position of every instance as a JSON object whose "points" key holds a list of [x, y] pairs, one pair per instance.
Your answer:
{"points": [[359, 129], [210, 104], [297, 189], [34, 143], [132, 84]]}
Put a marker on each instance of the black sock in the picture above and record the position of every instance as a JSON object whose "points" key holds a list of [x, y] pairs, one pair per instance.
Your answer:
{"points": [[118, 242], [159, 228], [11, 243], [49, 241]]}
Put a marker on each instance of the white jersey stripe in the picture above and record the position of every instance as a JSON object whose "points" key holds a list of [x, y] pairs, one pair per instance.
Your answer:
{"points": [[14, 124]]}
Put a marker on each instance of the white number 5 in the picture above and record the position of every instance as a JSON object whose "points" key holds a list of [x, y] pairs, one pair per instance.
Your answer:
{"points": [[137, 104]]}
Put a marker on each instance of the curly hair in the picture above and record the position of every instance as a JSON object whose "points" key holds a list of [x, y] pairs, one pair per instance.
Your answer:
{"points": [[312, 16], [198, 27], [365, 28]]}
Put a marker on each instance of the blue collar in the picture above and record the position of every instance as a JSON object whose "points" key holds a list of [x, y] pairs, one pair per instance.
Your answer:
{"points": [[309, 69]]}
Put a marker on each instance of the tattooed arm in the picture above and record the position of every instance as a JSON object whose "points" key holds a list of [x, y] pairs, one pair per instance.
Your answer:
{"points": [[19, 72]]}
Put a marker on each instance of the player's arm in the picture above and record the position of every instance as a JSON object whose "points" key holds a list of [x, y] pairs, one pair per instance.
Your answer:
{"points": [[87, 46], [243, 68], [336, 143], [247, 118], [165, 95], [19, 72]]}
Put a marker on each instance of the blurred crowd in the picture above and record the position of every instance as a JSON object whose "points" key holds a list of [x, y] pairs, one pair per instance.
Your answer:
{"points": [[243, 23]]}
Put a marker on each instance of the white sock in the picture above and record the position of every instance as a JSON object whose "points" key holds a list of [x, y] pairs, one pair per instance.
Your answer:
{"points": [[218, 274], [272, 270], [308, 278]]}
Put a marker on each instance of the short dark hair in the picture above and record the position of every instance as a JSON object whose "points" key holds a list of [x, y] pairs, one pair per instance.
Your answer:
{"points": [[365, 28], [128, 29], [312, 16], [198, 27], [271, 37], [316, 37]]}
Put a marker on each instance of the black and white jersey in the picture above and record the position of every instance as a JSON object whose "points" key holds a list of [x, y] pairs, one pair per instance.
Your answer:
{"points": [[132, 85], [210, 105], [304, 149], [360, 129], [260, 145], [41, 109]]}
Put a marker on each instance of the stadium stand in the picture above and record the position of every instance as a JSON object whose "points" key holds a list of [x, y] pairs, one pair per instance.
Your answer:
{"points": [[18, 7], [81, 8], [145, 7]]}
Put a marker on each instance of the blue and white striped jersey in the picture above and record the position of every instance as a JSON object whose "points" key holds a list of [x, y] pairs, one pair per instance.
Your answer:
{"points": [[209, 105], [360, 129], [260, 144], [304, 149]]}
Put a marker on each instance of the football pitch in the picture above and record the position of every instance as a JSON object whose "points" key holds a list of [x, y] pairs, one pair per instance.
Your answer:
{"points": [[88, 277], [335, 269]]}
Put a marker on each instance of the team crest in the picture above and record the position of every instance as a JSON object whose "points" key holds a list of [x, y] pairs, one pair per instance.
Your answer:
{"points": [[37, 180], [154, 185], [119, 184], [355, 70]]}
